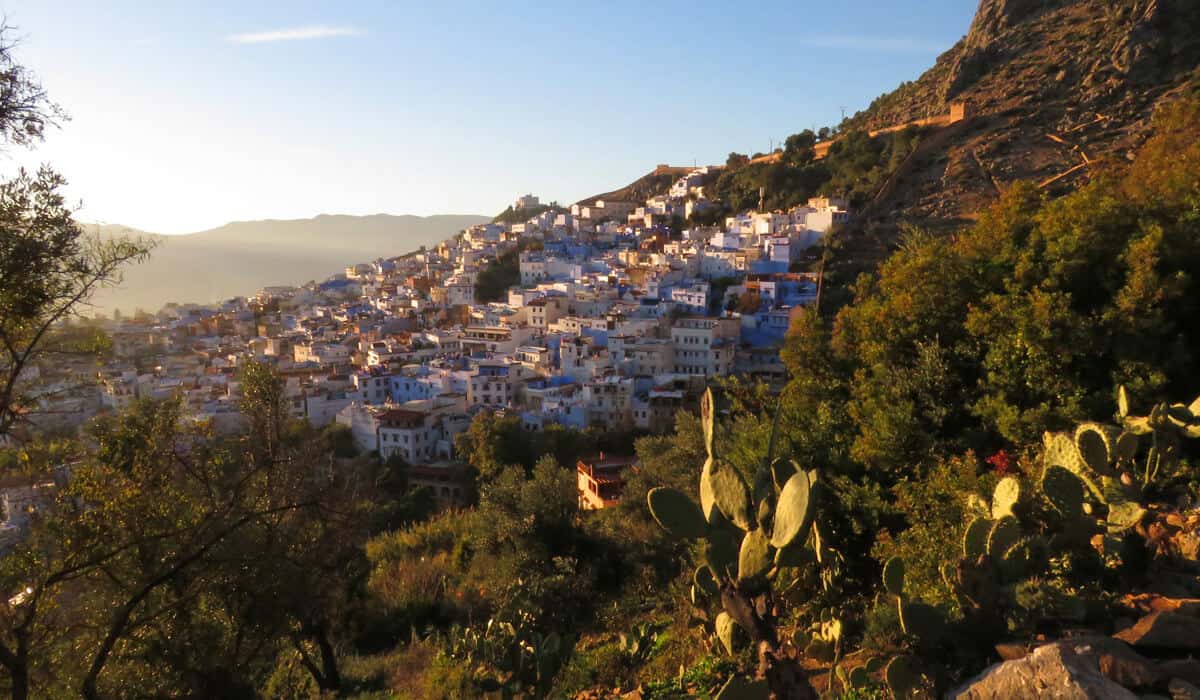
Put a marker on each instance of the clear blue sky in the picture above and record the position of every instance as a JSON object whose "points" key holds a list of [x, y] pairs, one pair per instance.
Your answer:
{"points": [[186, 115]]}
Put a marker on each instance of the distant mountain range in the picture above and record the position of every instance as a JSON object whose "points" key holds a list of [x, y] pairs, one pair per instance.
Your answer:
{"points": [[240, 258]]}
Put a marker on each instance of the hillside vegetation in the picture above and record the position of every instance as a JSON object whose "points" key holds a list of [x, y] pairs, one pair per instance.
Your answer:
{"points": [[930, 389], [990, 443]]}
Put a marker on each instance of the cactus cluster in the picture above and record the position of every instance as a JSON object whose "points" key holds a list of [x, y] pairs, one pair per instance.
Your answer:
{"points": [[926, 623], [749, 532], [511, 658], [1166, 424], [996, 538], [1095, 458], [824, 641], [1099, 462], [997, 552], [859, 678], [638, 644]]}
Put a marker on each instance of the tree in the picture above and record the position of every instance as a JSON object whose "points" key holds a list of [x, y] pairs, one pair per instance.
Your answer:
{"points": [[129, 540], [25, 109], [48, 268], [749, 302], [495, 279], [798, 148]]}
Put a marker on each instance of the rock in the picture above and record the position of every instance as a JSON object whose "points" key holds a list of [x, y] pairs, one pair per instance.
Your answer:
{"points": [[1051, 671], [1119, 663], [1163, 630], [994, 16], [1012, 651], [1188, 545], [1185, 669], [1150, 603], [1182, 690], [1139, 54]]}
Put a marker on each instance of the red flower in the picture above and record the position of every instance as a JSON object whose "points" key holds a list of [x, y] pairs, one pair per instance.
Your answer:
{"points": [[1002, 462]]}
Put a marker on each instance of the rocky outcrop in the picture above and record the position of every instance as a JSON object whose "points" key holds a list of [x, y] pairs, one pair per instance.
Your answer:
{"points": [[995, 16], [1053, 84], [1164, 630], [1063, 671], [983, 46]]}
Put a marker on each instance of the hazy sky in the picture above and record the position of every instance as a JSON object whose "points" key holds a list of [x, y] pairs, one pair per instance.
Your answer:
{"points": [[186, 115]]}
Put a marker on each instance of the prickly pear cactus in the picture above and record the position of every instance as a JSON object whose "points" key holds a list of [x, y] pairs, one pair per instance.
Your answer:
{"points": [[748, 535]]}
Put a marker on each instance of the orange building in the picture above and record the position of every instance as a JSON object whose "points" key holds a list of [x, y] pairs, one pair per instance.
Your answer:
{"points": [[601, 479]]}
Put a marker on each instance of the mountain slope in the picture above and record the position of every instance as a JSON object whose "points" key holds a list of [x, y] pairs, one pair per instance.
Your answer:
{"points": [[655, 182], [1054, 85], [240, 258]]}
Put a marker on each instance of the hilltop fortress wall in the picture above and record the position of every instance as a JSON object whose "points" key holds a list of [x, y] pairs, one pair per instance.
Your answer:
{"points": [[959, 111]]}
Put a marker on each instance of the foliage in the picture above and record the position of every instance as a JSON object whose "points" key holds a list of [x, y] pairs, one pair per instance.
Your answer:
{"points": [[177, 561], [856, 167], [517, 216], [494, 441], [494, 280], [1023, 322], [48, 270]]}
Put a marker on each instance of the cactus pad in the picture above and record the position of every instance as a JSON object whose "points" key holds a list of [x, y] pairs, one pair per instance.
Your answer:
{"points": [[975, 538], [901, 676], [676, 513], [793, 511], [1006, 495], [708, 420], [730, 493], [754, 556], [1005, 533], [705, 581], [893, 576], [1064, 490], [725, 631]]}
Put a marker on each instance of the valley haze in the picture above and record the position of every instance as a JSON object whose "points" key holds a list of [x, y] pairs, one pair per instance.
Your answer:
{"points": [[241, 257]]}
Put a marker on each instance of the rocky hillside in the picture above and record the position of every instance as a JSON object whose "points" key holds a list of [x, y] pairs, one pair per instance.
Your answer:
{"points": [[1055, 85], [653, 183]]}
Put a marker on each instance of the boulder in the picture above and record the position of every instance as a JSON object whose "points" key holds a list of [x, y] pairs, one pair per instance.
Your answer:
{"points": [[1185, 669], [1054, 671], [1010, 651], [1150, 603], [1182, 690], [1118, 662], [1163, 630]]}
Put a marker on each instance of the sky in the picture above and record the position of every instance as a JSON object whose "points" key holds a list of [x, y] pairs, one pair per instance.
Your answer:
{"points": [[187, 115]]}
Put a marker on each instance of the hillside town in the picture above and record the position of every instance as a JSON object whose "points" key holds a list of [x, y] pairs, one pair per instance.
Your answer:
{"points": [[615, 318]]}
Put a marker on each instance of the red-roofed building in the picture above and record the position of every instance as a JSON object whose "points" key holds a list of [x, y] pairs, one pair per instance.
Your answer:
{"points": [[601, 480]]}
